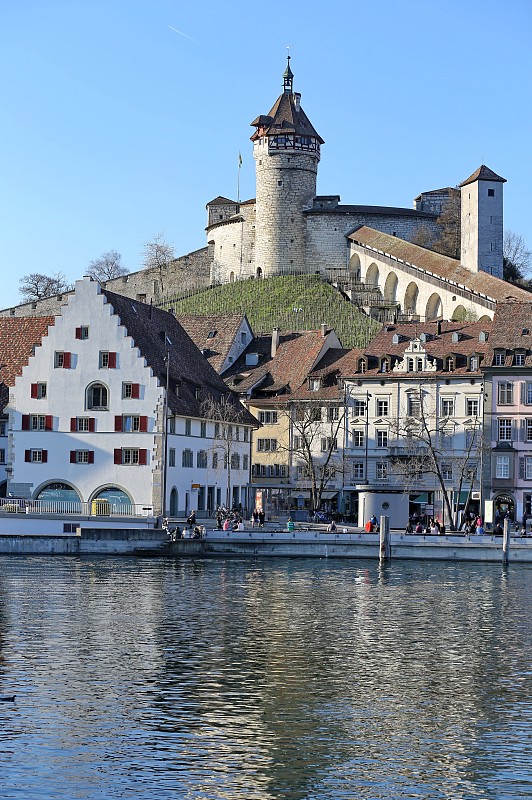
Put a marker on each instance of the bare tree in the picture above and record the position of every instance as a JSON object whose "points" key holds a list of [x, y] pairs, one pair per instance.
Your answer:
{"points": [[428, 447], [315, 443], [227, 415], [158, 255], [515, 257], [37, 286], [107, 266]]}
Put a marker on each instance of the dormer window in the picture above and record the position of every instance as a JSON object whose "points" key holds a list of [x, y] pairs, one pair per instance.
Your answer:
{"points": [[499, 359], [362, 365], [455, 337], [419, 363], [473, 363], [520, 359], [409, 364], [385, 365], [449, 364], [314, 384], [396, 338]]}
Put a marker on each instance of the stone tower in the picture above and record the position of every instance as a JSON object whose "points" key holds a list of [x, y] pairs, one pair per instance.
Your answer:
{"points": [[482, 222], [286, 149]]}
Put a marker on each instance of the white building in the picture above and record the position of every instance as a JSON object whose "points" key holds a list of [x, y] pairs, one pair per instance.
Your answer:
{"points": [[85, 418]]}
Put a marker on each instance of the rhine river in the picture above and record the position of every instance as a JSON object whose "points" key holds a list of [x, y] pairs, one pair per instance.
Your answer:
{"points": [[264, 680]]}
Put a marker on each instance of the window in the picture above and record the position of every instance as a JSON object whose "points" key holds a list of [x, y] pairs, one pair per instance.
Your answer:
{"points": [[215, 460], [246, 434], [299, 442], [362, 365], [171, 457], [130, 391], [447, 472], [447, 406], [314, 413], [505, 430], [358, 438], [472, 437], [235, 460], [171, 425], [188, 427], [449, 364], [520, 359], [528, 430], [383, 407], [216, 430], [82, 424], [268, 417], [245, 461], [446, 438], [266, 445], [3, 427], [385, 365], [237, 433], [358, 470], [472, 406], [473, 363], [203, 430], [62, 360], [505, 393], [499, 359], [382, 470], [97, 397], [382, 438], [314, 384], [2, 456], [329, 443], [188, 458], [527, 398], [82, 332], [130, 455], [38, 456], [37, 422], [201, 459], [38, 390], [359, 408], [491, 192], [107, 360], [82, 457], [409, 364], [333, 414], [131, 423], [528, 468], [414, 407], [502, 467]]}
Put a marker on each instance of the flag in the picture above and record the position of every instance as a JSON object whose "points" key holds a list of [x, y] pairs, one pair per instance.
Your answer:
{"points": [[239, 160]]}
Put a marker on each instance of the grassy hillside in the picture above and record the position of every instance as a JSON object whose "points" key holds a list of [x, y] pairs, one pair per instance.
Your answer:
{"points": [[291, 302]]}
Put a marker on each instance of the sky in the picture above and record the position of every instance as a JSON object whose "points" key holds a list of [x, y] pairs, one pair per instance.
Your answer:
{"points": [[121, 119]]}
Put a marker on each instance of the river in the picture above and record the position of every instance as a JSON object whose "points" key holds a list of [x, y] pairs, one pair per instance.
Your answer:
{"points": [[264, 679]]}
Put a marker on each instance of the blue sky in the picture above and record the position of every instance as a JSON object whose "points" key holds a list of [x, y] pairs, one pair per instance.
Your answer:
{"points": [[117, 127]]}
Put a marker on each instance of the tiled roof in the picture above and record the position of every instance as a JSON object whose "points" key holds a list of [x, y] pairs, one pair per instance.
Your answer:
{"points": [[439, 344], [386, 211], [511, 330], [214, 333], [483, 173], [221, 201], [156, 332], [18, 337], [442, 266], [449, 190], [285, 117]]}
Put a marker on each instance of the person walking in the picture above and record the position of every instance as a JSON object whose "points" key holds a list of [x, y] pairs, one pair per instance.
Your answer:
{"points": [[262, 518]]}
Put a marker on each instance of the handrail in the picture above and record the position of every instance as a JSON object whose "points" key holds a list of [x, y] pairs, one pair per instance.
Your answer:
{"points": [[96, 508]]}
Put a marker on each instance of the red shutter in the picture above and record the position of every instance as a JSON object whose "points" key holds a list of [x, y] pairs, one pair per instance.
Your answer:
{"points": [[49, 423], [78, 333], [27, 455], [118, 455], [143, 424], [66, 360], [91, 424], [34, 391], [44, 456], [72, 456], [91, 456], [143, 456], [118, 423], [135, 391], [25, 422], [112, 360], [73, 424]]}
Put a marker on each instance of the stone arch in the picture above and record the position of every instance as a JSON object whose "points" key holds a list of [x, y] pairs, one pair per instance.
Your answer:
{"points": [[390, 288], [485, 318], [459, 314], [411, 297], [354, 267], [174, 502], [114, 494], [434, 307], [58, 491], [231, 277], [372, 275]]}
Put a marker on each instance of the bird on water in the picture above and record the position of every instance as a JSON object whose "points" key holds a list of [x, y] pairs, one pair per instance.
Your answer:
{"points": [[8, 699]]}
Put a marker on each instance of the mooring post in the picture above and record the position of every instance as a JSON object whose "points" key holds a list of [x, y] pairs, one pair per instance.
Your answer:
{"points": [[385, 550], [506, 541]]}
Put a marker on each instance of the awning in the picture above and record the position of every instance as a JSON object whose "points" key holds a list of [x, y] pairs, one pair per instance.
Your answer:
{"points": [[421, 498], [328, 495], [306, 495]]}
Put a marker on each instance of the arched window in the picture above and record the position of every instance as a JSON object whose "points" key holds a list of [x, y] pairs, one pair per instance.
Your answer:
{"points": [[97, 397], [173, 502]]}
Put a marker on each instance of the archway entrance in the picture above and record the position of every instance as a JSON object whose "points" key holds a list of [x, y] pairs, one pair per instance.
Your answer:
{"points": [[173, 502], [504, 506]]}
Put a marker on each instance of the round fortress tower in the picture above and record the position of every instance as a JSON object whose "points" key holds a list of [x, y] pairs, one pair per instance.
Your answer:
{"points": [[286, 149]]}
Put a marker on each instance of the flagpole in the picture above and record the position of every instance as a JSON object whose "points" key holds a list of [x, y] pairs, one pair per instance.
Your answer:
{"points": [[238, 179]]}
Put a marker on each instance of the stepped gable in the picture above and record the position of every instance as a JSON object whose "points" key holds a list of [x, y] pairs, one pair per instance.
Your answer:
{"points": [[483, 173], [438, 343], [18, 338], [511, 330], [156, 332], [448, 269], [283, 373], [213, 333]]}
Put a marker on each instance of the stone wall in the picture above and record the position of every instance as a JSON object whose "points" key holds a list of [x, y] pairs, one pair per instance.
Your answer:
{"points": [[233, 247]]}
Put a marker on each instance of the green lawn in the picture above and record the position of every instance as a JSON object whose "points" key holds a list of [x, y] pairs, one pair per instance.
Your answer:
{"points": [[290, 303]]}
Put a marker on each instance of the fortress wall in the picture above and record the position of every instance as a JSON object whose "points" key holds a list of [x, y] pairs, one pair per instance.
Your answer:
{"points": [[233, 248]]}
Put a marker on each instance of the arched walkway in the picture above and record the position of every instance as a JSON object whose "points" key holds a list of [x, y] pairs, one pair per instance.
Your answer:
{"points": [[390, 288], [411, 295], [372, 275], [459, 314], [434, 307], [354, 267]]}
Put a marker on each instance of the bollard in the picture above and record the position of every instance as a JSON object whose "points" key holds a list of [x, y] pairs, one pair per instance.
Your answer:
{"points": [[385, 550], [506, 541]]}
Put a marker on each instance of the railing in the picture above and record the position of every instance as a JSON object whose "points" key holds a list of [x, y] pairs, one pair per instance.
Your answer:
{"points": [[97, 508]]}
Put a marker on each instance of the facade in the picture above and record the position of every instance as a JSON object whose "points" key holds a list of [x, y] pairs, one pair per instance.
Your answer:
{"points": [[86, 415]]}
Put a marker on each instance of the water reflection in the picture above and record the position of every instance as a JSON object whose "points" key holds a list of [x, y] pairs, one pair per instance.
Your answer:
{"points": [[264, 679]]}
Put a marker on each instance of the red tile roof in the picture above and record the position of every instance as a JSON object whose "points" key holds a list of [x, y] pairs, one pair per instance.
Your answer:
{"points": [[18, 337], [201, 328]]}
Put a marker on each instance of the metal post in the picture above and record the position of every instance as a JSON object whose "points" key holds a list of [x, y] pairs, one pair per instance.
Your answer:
{"points": [[165, 434], [506, 541], [385, 550]]}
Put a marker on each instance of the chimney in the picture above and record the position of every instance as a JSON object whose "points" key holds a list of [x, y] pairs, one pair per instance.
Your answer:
{"points": [[323, 329], [275, 341]]}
